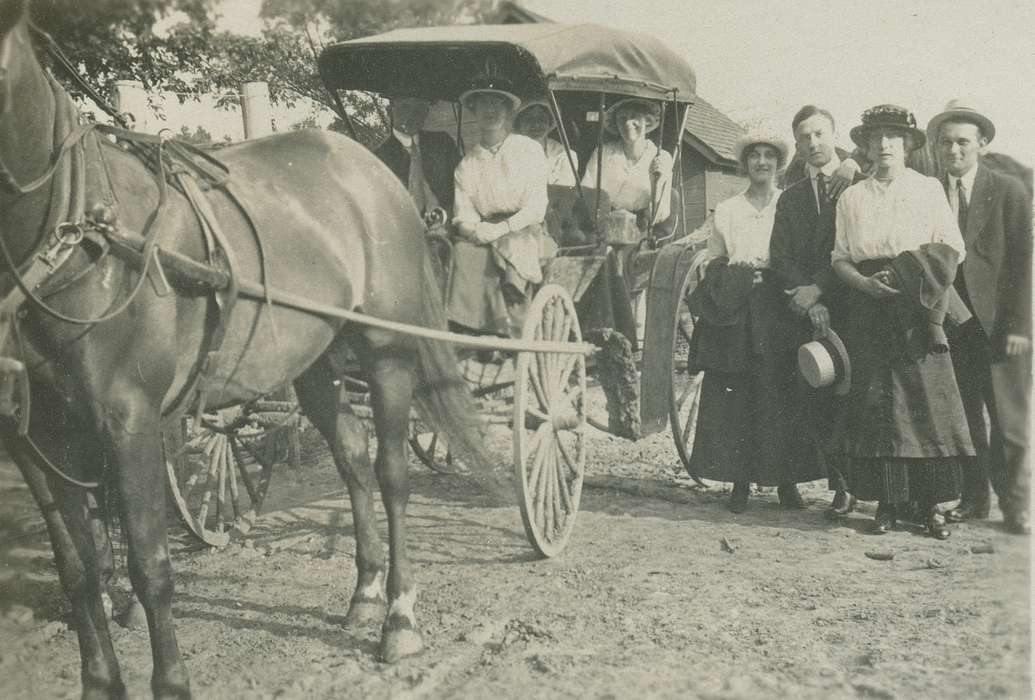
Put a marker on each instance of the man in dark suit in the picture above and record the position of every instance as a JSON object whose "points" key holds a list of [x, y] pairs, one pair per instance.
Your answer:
{"points": [[431, 184], [992, 352], [799, 254]]}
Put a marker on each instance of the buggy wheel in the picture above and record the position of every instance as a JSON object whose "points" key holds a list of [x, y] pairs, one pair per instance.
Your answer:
{"points": [[549, 419], [685, 388], [432, 449], [218, 480]]}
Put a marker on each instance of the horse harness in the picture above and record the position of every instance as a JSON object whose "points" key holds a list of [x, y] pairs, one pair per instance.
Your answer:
{"points": [[95, 227]]}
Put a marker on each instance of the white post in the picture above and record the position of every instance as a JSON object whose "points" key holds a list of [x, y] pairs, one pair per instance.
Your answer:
{"points": [[255, 108], [130, 96]]}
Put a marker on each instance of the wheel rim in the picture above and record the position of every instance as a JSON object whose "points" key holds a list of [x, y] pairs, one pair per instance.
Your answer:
{"points": [[220, 486], [685, 389], [549, 424]]}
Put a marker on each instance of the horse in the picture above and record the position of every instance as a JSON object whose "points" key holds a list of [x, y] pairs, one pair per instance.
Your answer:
{"points": [[112, 349]]}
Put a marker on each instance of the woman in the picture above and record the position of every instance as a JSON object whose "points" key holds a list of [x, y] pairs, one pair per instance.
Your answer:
{"points": [[748, 428], [904, 433], [635, 173], [535, 120], [499, 206]]}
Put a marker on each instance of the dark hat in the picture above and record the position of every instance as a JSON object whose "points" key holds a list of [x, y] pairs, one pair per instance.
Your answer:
{"points": [[888, 116], [493, 83], [824, 362]]}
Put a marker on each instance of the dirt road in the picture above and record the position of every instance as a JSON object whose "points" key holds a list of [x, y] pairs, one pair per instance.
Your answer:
{"points": [[647, 600]]}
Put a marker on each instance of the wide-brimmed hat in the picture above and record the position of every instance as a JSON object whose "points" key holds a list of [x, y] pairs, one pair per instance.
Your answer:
{"points": [[957, 110], [768, 138], [887, 116], [824, 362], [490, 84], [528, 104], [652, 109]]}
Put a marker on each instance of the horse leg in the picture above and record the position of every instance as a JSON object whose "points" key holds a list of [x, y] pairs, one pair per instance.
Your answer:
{"points": [[391, 390], [65, 513], [347, 438], [133, 427]]}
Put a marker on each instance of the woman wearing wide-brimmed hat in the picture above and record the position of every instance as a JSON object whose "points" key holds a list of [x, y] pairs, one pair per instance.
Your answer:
{"points": [[499, 207], [748, 428], [635, 173], [536, 121], [904, 434]]}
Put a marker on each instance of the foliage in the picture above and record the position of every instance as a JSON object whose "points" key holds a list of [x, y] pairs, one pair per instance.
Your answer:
{"points": [[200, 136]]}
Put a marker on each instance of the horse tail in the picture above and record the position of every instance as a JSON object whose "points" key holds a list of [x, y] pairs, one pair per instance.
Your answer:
{"points": [[442, 396]]}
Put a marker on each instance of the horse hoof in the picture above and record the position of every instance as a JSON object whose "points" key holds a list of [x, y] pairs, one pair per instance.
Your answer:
{"points": [[400, 643], [363, 613], [116, 691], [133, 617]]}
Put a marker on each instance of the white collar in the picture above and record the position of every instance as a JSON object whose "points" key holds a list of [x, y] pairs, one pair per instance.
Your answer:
{"points": [[968, 179], [829, 169], [405, 139]]}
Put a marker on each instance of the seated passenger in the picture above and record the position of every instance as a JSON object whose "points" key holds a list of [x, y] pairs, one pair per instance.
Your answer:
{"points": [[499, 207], [633, 170], [535, 120]]}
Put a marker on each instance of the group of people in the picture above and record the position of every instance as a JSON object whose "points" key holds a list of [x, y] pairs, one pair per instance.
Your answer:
{"points": [[861, 326]]}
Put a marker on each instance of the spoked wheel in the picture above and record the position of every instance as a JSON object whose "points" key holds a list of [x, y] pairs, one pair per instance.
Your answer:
{"points": [[685, 388], [221, 484], [432, 449], [549, 419]]}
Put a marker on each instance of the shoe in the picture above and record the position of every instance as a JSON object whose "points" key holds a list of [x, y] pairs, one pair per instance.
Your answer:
{"points": [[935, 526], [884, 521], [789, 497], [1017, 523], [739, 497], [966, 511], [843, 504]]}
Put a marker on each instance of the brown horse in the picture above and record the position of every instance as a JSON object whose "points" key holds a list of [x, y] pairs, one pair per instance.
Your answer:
{"points": [[335, 227]]}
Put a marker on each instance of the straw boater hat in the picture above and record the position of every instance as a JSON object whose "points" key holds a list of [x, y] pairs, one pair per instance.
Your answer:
{"points": [[768, 138], [528, 104], [652, 109], [884, 116], [824, 362], [491, 84], [957, 110]]}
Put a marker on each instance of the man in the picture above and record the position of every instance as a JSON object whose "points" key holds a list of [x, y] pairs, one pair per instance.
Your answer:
{"points": [[991, 352], [431, 184], [803, 237]]}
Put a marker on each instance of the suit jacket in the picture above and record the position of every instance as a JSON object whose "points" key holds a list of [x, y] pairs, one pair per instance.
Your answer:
{"points": [[997, 267], [439, 156], [802, 240]]}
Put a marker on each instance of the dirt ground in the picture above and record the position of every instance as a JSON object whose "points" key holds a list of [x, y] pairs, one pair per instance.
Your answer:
{"points": [[646, 601]]}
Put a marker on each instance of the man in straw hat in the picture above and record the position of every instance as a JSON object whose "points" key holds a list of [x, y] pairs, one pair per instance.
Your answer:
{"points": [[903, 435], [803, 236], [991, 352]]}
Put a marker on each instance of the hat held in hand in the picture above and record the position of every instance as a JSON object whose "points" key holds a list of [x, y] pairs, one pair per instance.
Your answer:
{"points": [[824, 362]]}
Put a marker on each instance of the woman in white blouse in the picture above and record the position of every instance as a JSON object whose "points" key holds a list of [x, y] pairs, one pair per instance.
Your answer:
{"points": [[633, 168], [904, 432], [535, 120], [748, 427], [498, 212]]}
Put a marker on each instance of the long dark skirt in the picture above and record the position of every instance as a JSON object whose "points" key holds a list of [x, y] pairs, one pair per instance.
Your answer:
{"points": [[749, 429], [904, 434]]}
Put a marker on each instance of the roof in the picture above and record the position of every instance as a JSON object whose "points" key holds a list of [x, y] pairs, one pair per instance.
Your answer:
{"points": [[714, 130], [439, 62]]}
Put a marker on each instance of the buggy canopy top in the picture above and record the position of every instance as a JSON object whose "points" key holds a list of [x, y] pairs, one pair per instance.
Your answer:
{"points": [[439, 62]]}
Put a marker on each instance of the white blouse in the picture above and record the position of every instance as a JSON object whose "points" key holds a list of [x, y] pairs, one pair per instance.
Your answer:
{"points": [[559, 171], [628, 183], [507, 180], [741, 232], [880, 220]]}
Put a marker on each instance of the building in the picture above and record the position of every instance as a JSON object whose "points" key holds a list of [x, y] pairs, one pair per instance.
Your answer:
{"points": [[709, 164]]}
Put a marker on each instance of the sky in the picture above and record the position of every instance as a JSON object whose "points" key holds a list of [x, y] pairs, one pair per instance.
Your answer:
{"points": [[760, 60]]}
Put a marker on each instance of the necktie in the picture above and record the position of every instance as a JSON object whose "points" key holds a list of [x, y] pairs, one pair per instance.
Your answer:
{"points": [[415, 182], [962, 206], [821, 192]]}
